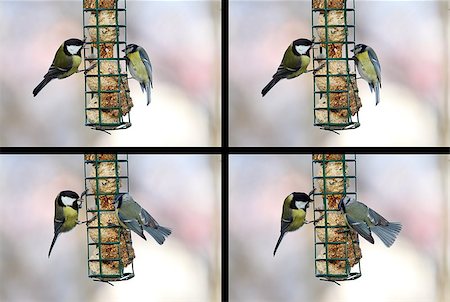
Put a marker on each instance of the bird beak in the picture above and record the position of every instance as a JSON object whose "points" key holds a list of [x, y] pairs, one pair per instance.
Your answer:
{"points": [[341, 204], [84, 193], [311, 193]]}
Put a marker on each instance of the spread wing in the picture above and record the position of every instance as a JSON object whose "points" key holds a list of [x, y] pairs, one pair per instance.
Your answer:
{"points": [[361, 228], [147, 219], [133, 225], [377, 219]]}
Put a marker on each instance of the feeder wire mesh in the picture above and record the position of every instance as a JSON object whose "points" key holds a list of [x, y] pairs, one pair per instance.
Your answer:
{"points": [[335, 96], [110, 250], [107, 96], [337, 251]]}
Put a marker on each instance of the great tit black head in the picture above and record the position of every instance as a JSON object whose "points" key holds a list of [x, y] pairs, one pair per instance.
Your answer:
{"points": [[130, 48], [69, 199], [301, 46], [359, 48], [300, 200], [73, 47]]}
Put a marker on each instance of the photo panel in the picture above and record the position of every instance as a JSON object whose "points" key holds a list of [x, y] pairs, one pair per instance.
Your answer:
{"points": [[177, 200], [409, 189], [309, 109], [162, 90]]}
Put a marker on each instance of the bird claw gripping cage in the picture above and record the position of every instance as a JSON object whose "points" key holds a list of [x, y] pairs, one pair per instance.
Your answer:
{"points": [[110, 250], [336, 247], [336, 100], [107, 95]]}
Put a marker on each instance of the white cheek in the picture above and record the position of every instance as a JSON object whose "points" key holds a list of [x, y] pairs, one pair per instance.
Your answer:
{"points": [[302, 49], [300, 204], [73, 49], [68, 201]]}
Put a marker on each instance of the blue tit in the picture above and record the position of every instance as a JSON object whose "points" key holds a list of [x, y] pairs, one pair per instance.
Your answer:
{"points": [[140, 67], [66, 62], [67, 204], [369, 68], [132, 216], [294, 213], [363, 220], [295, 61]]}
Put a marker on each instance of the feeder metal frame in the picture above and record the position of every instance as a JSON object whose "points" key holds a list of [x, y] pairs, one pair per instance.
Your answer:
{"points": [[352, 122], [351, 273], [120, 162]]}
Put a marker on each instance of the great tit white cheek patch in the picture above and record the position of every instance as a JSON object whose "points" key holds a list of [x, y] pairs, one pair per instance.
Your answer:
{"points": [[68, 201], [73, 49], [302, 49]]}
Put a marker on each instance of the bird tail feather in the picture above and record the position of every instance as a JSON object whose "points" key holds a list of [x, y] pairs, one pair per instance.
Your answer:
{"points": [[278, 243], [41, 85], [377, 93], [53, 243], [387, 233], [159, 234], [270, 85], [148, 90]]}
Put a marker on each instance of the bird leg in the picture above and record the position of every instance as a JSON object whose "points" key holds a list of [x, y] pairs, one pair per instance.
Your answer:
{"points": [[87, 221], [87, 69], [315, 221]]}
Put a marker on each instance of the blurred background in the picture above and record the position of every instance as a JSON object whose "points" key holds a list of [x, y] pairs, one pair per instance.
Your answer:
{"points": [[182, 39], [412, 189], [185, 268], [410, 39]]}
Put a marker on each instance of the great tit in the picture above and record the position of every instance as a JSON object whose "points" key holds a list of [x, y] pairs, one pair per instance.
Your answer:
{"points": [[295, 61], [66, 62], [369, 68], [67, 204], [294, 213], [140, 67], [363, 220], [132, 216]]}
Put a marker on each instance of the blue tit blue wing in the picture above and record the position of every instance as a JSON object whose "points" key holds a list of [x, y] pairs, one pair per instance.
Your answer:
{"points": [[159, 233], [361, 228], [377, 219], [147, 64], [376, 63], [133, 225]]}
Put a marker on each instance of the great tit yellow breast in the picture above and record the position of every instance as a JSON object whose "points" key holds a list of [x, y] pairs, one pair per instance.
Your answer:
{"points": [[298, 219], [138, 66], [304, 64], [76, 60], [366, 67], [71, 219]]}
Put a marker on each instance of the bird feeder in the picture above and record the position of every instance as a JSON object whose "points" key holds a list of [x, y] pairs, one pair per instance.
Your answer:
{"points": [[110, 250], [336, 246], [107, 95], [336, 100]]}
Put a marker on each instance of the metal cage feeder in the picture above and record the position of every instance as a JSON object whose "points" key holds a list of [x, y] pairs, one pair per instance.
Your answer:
{"points": [[336, 247], [336, 100], [110, 251], [107, 95]]}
